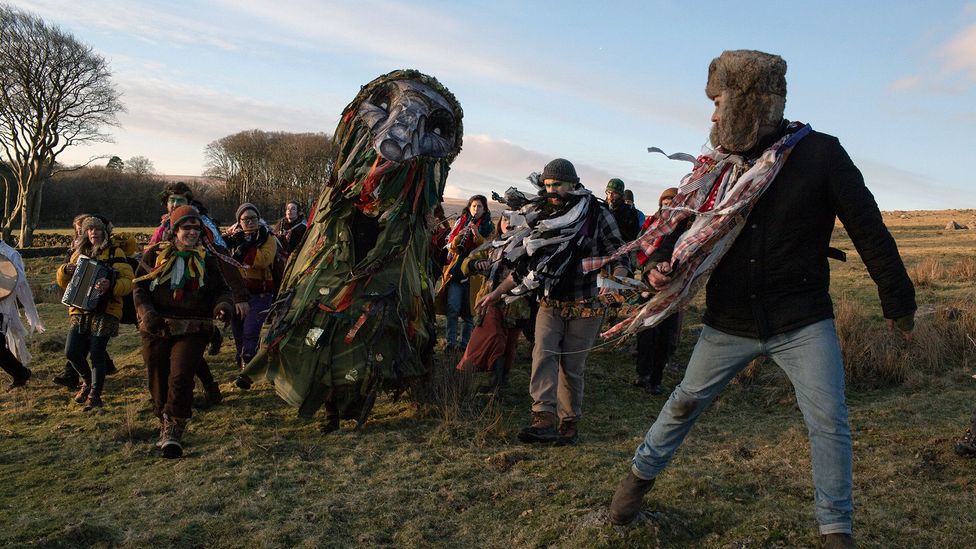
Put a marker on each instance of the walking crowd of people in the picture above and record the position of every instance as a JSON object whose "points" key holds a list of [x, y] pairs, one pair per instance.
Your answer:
{"points": [[751, 224]]}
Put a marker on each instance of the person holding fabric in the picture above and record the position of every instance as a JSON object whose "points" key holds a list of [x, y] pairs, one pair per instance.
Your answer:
{"points": [[179, 290], [91, 330], [254, 247], [457, 294], [291, 228], [14, 290], [495, 336], [768, 289], [655, 345], [561, 228], [625, 214]]}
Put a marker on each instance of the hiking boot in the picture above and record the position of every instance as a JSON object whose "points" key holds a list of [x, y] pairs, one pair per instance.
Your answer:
{"points": [[68, 378], [172, 443], [656, 390], [644, 382], [21, 381], [82, 394], [543, 429], [243, 381], [567, 432], [626, 504], [966, 446], [94, 400], [837, 541]]}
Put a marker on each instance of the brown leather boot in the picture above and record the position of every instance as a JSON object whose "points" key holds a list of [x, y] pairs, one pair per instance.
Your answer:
{"points": [[94, 400], [173, 436], [543, 428], [837, 541], [626, 504], [82, 394], [568, 433]]}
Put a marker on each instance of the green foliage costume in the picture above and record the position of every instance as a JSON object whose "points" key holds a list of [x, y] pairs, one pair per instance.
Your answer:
{"points": [[355, 310]]}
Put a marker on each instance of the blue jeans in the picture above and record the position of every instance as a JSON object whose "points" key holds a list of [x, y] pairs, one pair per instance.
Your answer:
{"points": [[458, 305], [78, 347], [811, 358]]}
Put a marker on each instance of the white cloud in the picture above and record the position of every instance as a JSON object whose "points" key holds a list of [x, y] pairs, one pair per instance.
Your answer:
{"points": [[959, 54], [897, 188], [145, 21]]}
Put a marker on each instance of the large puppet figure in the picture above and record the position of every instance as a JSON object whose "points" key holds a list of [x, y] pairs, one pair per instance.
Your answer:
{"points": [[354, 314]]}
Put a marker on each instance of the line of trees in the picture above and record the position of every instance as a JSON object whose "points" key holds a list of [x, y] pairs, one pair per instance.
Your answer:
{"points": [[264, 167]]}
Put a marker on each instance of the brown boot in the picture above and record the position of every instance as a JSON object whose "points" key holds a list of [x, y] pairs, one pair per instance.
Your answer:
{"points": [[543, 428], [626, 504], [173, 436], [82, 394], [837, 541], [94, 400], [966, 446], [567, 432]]}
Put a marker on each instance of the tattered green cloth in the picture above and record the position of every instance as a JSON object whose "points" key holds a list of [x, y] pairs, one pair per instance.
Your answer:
{"points": [[345, 327]]}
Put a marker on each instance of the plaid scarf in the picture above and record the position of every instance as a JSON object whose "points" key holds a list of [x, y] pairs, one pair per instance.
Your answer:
{"points": [[737, 184]]}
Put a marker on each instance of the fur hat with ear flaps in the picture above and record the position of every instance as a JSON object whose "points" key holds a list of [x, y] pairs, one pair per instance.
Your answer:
{"points": [[752, 86]]}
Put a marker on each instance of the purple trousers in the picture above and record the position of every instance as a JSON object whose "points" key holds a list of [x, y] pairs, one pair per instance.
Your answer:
{"points": [[247, 330]]}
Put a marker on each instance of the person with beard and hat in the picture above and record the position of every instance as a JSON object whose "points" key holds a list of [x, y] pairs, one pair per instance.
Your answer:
{"points": [[255, 248], [625, 214], [767, 293], [179, 292], [291, 228], [656, 344], [546, 249], [91, 330]]}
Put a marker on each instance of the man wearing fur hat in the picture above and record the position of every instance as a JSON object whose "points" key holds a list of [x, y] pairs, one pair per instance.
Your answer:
{"points": [[767, 293], [179, 291], [564, 225]]}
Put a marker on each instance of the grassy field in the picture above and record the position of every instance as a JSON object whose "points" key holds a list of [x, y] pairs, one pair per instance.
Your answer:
{"points": [[255, 475]]}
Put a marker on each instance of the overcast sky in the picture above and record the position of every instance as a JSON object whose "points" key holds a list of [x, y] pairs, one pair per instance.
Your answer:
{"points": [[594, 82]]}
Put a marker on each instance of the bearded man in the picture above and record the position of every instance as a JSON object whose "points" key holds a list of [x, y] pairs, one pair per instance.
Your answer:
{"points": [[623, 212], [555, 232], [768, 289]]}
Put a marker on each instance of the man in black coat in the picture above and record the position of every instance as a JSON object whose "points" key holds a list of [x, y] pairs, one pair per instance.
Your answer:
{"points": [[768, 294], [623, 213]]}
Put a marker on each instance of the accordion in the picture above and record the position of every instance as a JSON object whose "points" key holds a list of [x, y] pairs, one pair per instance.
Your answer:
{"points": [[80, 291]]}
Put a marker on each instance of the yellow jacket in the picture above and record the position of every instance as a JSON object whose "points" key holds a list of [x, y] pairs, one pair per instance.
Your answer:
{"points": [[121, 288]]}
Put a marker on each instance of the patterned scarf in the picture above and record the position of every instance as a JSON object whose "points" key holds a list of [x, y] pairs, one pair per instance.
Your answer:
{"points": [[543, 241], [735, 185], [184, 269]]}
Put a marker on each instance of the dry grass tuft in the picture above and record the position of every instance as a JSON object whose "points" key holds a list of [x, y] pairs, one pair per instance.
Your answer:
{"points": [[927, 271], [877, 357]]}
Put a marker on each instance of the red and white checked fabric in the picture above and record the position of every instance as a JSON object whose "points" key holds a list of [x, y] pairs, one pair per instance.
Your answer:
{"points": [[737, 185]]}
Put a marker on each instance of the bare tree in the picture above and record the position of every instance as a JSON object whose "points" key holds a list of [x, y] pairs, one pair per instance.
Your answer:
{"points": [[55, 92], [140, 166], [270, 168]]}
